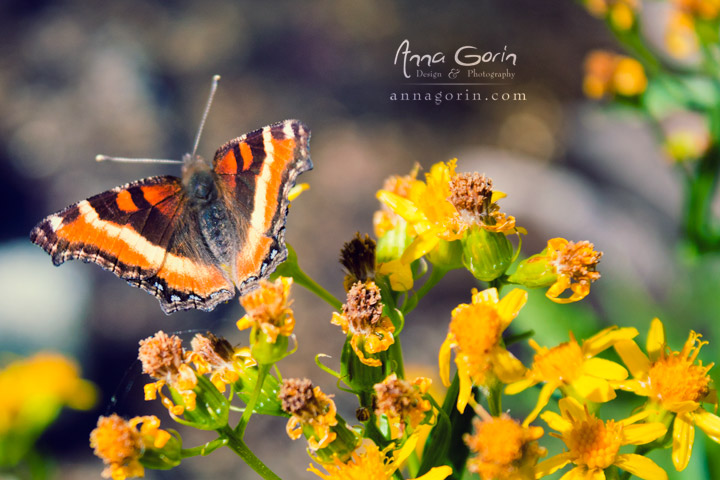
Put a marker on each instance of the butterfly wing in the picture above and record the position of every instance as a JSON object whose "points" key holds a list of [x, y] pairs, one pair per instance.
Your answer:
{"points": [[255, 173], [138, 232]]}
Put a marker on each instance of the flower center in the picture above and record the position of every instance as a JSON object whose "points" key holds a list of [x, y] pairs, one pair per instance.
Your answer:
{"points": [[594, 443], [562, 363], [161, 356], [497, 440], [674, 377], [363, 309], [471, 192], [578, 260], [115, 441], [476, 328]]}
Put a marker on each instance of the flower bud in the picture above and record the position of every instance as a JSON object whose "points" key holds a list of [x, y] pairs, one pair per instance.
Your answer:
{"points": [[211, 407], [447, 255], [164, 458], [535, 272], [486, 254]]}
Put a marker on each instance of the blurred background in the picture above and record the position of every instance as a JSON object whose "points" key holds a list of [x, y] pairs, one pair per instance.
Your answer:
{"points": [[131, 78]]}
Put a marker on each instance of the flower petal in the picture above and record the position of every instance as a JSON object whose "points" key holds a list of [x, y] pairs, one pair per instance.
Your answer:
{"points": [[656, 339], [683, 438], [465, 386], [640, 466], [603, 368], [708, 423], [444, 360], [437, 473], [552, 465], [421, 245], [633, 358], [556, 422], [402, 206], [507, 368], [399, 273], [520, 385], [643, 433], [571, 409], [510, 305], [543, 399], [594, 389], [606, 338]]}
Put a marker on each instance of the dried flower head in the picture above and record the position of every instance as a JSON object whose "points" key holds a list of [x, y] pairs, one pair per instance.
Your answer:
{"points": [[310, 407]]}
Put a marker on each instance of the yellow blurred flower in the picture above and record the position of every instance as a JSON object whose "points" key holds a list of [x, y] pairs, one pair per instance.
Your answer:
{"points": [[607, 74], [673, 382], [574, 369], [475, 336], [680, 37], [502, 448], [368, 462], [268, 309], [362, 317], [386, 219], [120, 444], [620, 13], [35, 388], [704, 9], [594, 445]]}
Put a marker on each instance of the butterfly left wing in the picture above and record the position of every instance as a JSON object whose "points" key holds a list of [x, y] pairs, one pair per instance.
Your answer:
{"points": [[137, 232], [255, 173]]}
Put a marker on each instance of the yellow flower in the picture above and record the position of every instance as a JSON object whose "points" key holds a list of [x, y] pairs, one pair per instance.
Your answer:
{"points": [[673, 382], [268, 309], [620, 13], [574, 369], [163, 358], [594, 445], [607, 73], [475, 336], [368, 462], [444, 206], [402, 402], [120, 444], [575, 265], [35, 388], [503, 449], [308, 407], [705, 9], [370, 332]]}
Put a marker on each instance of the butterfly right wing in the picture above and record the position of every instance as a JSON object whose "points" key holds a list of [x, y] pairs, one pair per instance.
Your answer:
{"points": [[138, 231]]}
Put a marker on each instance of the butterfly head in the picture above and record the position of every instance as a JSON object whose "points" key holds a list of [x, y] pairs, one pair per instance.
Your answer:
{"points": [[198, 179]]}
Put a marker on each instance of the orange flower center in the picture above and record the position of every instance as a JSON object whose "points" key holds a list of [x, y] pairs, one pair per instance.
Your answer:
{"points": [[674, 378], [115, 441], [578, 261], [594, 443], [562, 363], [497, 440], [476, 328]]}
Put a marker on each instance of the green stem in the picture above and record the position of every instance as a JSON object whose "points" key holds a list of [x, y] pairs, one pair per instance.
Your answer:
{"points": [[204, 449], [495, 399], [435, 276], [263, 370], [698, 212], [395, 356], [236, 444], [301, 278]]}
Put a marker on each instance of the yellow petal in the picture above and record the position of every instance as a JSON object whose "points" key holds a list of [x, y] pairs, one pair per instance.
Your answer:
{"points": [[465, 386], [437, 473], [683, 438], [606, 338], [399, 273], [402, 206], [571, 408], [708, 423], [510, 305], [633, 358], [594, 389], [556, 422], [489, 296], [552, 465], [643, 433], [507, 368], [603, 368], [543, 399], [681, 407], [656, 339], [520, 385], [444, 361], [640, 466], [421, 245]]}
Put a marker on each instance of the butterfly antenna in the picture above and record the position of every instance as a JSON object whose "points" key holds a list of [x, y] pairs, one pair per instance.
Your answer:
{"points": [[213, 88], [105, 158]]}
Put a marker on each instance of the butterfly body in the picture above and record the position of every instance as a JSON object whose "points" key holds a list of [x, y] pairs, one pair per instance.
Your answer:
{"points": [[191, 241]]}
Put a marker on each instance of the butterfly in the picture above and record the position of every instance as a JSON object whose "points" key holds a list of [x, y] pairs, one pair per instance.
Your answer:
{"points": [[191, 241]]}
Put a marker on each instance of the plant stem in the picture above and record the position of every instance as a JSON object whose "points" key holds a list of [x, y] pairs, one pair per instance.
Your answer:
{"points": [[263, 370], [435, 276], [236, 444]]}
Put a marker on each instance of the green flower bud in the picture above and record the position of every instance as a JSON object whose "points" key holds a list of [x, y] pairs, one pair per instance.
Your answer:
{"points": [[341, 448], [268, 402], [535, 272], [164, 458], [211, 407], [266, 351], [486, 254], [447, 255], [359, 376], [392, 245]]}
